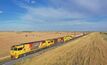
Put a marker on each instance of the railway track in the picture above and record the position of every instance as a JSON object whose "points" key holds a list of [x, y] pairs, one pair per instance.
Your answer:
{"points": [[39, 52]]}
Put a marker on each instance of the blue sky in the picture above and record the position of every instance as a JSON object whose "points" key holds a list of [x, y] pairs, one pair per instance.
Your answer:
{"points": [[53, 15]]}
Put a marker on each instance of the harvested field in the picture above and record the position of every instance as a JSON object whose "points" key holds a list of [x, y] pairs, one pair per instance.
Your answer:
{"points": [[7, 39], [88, 50]]}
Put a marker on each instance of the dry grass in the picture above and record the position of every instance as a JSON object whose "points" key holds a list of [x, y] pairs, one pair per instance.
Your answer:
{"points": [[104, 34], [7, 39], [4, 59], [88, 50]]}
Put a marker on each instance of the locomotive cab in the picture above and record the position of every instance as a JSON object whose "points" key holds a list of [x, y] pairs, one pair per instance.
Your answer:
{"points": [[16, 51]]}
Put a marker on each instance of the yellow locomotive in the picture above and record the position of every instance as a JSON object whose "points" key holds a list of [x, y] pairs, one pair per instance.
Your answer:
{"points": [[46, 43], [20, 50], [67, 38]]}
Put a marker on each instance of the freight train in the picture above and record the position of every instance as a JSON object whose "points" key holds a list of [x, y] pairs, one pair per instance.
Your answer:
{"points": [[23, 49]]}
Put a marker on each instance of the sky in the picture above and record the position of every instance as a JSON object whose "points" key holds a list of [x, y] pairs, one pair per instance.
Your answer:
{"points": [[53, 15]]}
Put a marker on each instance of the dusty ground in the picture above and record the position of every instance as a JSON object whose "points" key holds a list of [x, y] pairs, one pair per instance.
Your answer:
{"points": [[7, 39], [88, 50]]}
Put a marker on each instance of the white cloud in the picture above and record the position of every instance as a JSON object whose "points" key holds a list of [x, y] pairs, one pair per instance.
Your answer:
{"points": [[74, 23], [49, 14], [1, 12], [44, 14], [91, 5], [33, 2]]}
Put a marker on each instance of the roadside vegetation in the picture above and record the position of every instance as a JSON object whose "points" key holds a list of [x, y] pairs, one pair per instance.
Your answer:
{"points": [[104, 34], [3, 60]]}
